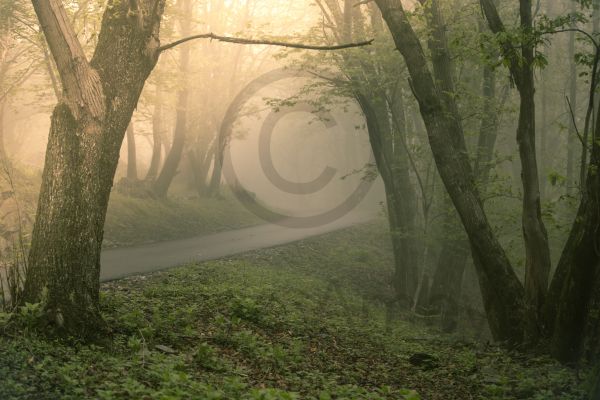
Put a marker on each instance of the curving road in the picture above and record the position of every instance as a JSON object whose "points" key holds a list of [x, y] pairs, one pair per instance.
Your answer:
{"points": [[118, 263]]}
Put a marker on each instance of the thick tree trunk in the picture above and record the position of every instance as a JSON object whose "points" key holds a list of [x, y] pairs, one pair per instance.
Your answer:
{"points": [[87, 130], [169, 170], [502, 292], [573, 285], [132, 174]]}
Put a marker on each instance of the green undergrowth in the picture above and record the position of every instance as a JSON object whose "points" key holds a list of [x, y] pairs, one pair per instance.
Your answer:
{"points": [[301, 321], [130, 220], [133, 220]]}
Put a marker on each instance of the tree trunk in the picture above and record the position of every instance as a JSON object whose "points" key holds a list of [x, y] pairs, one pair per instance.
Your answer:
{"points": [[156, 139], [86, 133], [5, 162], [571, 292], [571, 310], [448, 277], [537, 251], [399, 198], [502, 292], [169, 170], [200, 165], [132, 174], [572, 139], [446, 287], [217, 170]]}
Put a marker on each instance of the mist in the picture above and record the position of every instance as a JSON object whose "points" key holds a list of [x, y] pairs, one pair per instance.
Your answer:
{"points": [[319, 199]]}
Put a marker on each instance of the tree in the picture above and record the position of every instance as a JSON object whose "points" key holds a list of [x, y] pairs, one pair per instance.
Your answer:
{"points": [[537, 259], [365, 78], [132, 174], [502, 292], [87, 129], [169, 169], [569, 317], [448, 278], [157, 135]]}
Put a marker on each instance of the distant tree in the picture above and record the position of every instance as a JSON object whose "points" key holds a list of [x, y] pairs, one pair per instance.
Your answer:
{"points": [[173, 158]]}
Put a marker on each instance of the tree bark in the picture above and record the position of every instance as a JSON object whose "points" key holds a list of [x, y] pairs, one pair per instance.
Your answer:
{"points": [[573, 285], [87, 130], [502, 292]]}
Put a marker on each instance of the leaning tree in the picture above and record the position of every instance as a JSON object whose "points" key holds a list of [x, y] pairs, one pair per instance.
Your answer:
{"points": [[564, 312], [87, 129]]}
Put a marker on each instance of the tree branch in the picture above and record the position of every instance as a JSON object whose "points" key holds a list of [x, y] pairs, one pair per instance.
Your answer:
{"points": [[229, 39], [497, 26], [573, 121], [81, 82]]}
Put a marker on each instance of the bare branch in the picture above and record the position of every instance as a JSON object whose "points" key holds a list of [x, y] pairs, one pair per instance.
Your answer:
{"points": [[229, 39]]}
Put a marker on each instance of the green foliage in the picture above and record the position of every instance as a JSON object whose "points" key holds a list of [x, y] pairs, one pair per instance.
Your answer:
{"points": [[30, 314], [302, 321]]}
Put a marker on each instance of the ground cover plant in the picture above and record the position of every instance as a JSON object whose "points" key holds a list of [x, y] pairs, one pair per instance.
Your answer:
{"points": [[302, 321]]}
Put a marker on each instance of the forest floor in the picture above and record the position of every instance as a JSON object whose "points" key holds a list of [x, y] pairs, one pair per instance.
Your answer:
{"points": [[301, 321]]}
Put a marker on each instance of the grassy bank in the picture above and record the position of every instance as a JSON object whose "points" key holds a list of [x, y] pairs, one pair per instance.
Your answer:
{"points": [[303, 321], [132, 220]]}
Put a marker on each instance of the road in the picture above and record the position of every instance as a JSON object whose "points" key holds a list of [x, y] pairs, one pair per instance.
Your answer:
{"points": [[121, 262]]}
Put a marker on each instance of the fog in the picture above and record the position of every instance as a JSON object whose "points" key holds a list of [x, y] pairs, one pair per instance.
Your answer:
{"points": [[275, 199]]}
